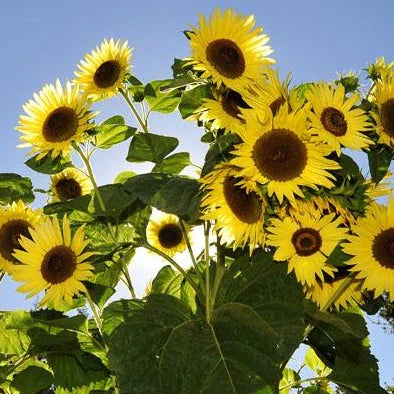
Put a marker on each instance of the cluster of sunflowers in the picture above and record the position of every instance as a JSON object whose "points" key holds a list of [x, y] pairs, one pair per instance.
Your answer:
{"points": [[281, 187]]}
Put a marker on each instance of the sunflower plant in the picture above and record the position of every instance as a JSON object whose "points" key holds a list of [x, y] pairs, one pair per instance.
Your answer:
{"points": [[278, 239]]}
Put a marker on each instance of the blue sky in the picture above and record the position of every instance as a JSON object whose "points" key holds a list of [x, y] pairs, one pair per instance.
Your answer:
{"points": [[44, 40]]}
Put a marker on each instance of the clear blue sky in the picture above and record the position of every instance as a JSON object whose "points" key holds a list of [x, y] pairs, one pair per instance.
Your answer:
{"points": [[44, 40]]}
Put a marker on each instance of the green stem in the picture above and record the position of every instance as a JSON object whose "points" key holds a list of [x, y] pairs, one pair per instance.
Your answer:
{"points": [[129, 283], [133, 109], [96, 316], [207, 274], [296, 383], [176, 265], [220, 268]]}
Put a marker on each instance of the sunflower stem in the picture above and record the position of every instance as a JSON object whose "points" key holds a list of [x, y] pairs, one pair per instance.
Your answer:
{"points": [[176, 265], [220, 268], [133, 109], [96, 316], [207, 274]]}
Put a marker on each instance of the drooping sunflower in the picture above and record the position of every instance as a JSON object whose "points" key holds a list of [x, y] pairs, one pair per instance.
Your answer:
{"points": [[306, 244], [69, 183], [384, 98], [54, 119], [15, 221], [238, 210], [224, 112], [103, 71], [372, 248], [333, 119], [164, 232], [228, 49], [54, 261], [279, 153], [322, 291]]}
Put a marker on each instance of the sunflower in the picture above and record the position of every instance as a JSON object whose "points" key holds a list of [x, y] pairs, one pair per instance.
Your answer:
{"points": [[278, 153], [228, 49], [306, 244], [103, 71], [69, 183], [237, 210], [322, 291], [380, 69], [55, 119], [165, 233], [372, 248], [333, 120], [224, 111], [384, 98], [53, 261], [15, 221]]}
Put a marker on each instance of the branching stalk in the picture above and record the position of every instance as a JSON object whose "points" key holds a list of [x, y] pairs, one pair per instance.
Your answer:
{"points": [[134, 110]]}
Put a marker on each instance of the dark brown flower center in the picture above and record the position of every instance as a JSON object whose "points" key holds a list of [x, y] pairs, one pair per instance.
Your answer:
{"points": [[58, 264], [227, 58], [276, 104], [307, 241], [10, 233], [170, 235], [232, 101], [386, 112], [247, 207], [66, 189], [334, 121], [107, 74], [343, 272], [383, 248], [60, 125], [280, 155]]}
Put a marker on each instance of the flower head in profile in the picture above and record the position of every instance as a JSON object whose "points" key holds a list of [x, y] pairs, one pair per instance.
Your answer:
{"points": [[54, 261], [102, 73], [54, 119], [228, 49]]}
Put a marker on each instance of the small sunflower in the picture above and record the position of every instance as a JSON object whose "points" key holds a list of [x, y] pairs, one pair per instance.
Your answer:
{"points": [[333, 120], [380, 69], [384, 98], [372, 246], [279, 153], [306, 244], [228, 49], [15, 221], [237, 210], [322, 291], [224, 112], [165, 233], [103, 71], [55, 119], [53, 261], [69, 183]]}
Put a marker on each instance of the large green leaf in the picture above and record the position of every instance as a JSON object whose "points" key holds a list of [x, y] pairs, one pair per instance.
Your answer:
{"points": [[49, 165], [12, 341], [173, 164], [192, 99], [379, 158], [14, 187], [264, 286], [76, 204], [114, 134], [32, 379], [150, 147], [165, 102], [170, 193], [341, 341]]}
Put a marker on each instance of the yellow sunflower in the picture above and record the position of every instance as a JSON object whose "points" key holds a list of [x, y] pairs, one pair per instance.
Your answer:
{"points": [[380, 69], [279, 153], [103, 71], [54, 119], [384, 98], [322, 291], [237, 210], [15, 221], [306, 244], [372, 248], [228, 49], [224, 112], [164, 232], [53, 260], [69, 183], [333, 120]]}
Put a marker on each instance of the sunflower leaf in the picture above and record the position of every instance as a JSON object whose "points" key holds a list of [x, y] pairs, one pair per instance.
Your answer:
{"points": [[379, 159], [173, 164], [114, 134], [159, 101], [193, 99], [49, 165], [14, 187], [32, 379]]}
